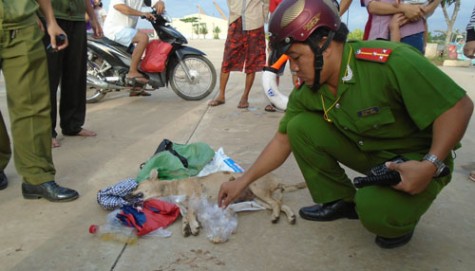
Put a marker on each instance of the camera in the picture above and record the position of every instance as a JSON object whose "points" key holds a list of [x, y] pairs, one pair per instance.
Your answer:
{"points": [[60, 39]]}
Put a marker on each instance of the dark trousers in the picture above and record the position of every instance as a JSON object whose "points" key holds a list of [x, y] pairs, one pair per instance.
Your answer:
{"points": [[68, 67]]}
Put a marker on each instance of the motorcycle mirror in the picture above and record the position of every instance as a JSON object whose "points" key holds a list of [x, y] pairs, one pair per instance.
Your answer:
{"points": [[148, 3]]}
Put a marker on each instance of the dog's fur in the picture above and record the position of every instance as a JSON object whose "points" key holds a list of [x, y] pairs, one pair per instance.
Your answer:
{"points": [[267, 190]]}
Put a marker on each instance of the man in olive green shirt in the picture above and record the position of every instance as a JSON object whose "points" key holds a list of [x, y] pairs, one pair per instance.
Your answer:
{"points": [[362, 103], [23, 63]]}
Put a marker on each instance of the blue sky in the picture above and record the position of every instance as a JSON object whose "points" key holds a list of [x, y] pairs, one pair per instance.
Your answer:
{"points": [[355, 18]]}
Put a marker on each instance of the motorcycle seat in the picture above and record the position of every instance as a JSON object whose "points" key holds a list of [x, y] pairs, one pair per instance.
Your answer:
{"points": [[112, 43]]}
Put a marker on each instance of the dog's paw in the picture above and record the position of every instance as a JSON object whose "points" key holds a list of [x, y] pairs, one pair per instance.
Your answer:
{"points": [[292, 219], [186, 229], [275, 219], [195, 228]]}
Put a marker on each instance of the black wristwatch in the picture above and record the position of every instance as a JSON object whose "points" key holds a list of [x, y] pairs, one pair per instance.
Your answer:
{"points": [[437, 163]]}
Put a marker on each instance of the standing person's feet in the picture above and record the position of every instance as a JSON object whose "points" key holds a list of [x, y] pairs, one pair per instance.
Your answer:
{"points": [[86, 133], [471, 176], [243, 104], [216, 102], [3, 180], [55, 143], [82, 132], [50, 191]]}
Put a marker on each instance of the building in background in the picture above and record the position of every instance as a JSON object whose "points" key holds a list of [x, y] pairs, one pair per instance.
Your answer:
{"points": [[192, 26]]}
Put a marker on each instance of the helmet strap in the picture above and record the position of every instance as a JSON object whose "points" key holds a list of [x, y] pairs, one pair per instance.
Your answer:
{"points": [[313, 42]]}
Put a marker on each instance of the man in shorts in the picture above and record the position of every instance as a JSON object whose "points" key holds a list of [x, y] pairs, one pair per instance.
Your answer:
{"points": [[245, 46], [120, 27]]}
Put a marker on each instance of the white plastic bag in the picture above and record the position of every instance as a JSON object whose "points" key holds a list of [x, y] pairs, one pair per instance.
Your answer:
{"points": [[218, 223], [220, 162]]}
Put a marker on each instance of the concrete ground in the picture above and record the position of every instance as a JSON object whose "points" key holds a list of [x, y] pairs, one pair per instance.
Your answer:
{"points": [[39, 235]]}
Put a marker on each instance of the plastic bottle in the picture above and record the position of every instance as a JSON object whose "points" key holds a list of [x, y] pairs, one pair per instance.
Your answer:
{"points": [[108, 232]]}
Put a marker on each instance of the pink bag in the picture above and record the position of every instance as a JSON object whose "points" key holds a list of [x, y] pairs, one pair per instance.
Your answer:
{"points": [[156, 56]]}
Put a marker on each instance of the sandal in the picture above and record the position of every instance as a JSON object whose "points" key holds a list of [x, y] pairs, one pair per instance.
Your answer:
{"points": [[135, 93], [270, 108], [215, 103]]}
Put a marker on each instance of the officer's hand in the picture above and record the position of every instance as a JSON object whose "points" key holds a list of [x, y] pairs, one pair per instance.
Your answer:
{"points": [[469, 49], [415, 175], [229, 191]]}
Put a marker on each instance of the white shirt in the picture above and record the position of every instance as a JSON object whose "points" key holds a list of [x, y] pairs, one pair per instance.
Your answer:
{"points": [[116, 21]]}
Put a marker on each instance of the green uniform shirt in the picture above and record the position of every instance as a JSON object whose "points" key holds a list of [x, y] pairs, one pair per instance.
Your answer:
{"points": [[71, 10], [15, 14], [382, 106]]}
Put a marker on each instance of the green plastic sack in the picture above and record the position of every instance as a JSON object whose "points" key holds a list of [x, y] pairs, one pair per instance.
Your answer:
{"points": [[170, 167]]}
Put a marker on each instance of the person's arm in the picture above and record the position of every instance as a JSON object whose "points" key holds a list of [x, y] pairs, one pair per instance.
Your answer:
{"points": [[273, 155], [96, 27], [126, 10], [160, 7], [397, 21], [412, 12], [447, 130], [51, 25], [344, 6], [429, 9]]}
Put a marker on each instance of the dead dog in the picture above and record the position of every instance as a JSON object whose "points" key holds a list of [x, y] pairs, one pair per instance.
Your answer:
{"points": [[267, 191]]}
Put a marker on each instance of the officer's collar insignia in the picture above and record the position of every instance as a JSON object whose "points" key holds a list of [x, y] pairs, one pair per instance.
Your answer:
{"points": [[348, 74]]}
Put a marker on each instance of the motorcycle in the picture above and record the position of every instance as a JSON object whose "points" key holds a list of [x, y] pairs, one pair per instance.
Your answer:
{"points": [[190, 74]]}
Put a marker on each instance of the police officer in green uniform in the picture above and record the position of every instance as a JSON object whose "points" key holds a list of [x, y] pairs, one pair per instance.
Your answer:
{"points": [[361, 104], [23, 63]]}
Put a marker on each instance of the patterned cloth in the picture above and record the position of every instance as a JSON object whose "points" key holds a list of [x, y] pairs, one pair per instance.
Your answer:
{"points": [[244, 49], [115, 196]]}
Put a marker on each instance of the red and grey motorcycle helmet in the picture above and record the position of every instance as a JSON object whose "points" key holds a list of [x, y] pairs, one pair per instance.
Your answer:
{"points": [[301, 21]]}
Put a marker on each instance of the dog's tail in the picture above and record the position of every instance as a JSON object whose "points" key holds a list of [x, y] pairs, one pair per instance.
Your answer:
{"points": [[293, 187]]}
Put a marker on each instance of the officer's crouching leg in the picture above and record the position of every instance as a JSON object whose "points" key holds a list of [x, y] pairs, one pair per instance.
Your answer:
{"points": [[390, 213]]}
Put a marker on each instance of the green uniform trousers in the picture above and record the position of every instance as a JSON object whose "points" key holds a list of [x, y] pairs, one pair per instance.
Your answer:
{"points": [[319, 148], [24, 65]]}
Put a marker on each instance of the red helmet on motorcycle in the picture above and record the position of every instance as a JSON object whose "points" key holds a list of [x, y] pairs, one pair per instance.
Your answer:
{"points": [[296, 20]]}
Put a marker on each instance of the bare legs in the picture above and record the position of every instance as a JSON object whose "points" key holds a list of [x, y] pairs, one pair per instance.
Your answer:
{"points": [[223, 81]]}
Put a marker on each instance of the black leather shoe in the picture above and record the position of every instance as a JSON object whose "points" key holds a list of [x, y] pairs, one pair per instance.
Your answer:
{"points": [[329, 211], [49, 190], [3, 180], [383, 242]]}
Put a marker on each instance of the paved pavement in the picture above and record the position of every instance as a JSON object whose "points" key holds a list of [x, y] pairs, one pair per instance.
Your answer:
{"points": [[39, 235]]}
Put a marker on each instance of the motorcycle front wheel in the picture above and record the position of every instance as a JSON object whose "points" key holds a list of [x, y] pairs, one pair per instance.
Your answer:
{"points": [[198, 82]]}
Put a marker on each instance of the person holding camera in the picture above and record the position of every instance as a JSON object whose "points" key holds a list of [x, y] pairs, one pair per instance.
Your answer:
{"points": [[67, 68], [357, 107]]}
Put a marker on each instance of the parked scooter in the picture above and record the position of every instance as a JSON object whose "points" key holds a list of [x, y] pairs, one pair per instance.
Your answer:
{"points": [[190, 74]]}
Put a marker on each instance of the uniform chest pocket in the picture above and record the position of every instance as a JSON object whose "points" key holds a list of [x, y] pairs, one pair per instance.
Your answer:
{"points": [[372, 122]]}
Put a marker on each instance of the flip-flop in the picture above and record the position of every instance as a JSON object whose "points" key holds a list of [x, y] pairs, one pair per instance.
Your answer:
{"points": [[270, 108], [471, 176], [135, 93], [242, 105], [216, 103]]}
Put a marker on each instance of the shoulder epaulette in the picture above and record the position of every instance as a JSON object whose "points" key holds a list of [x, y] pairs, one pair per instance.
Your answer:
{"points": [[380, 55]]}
